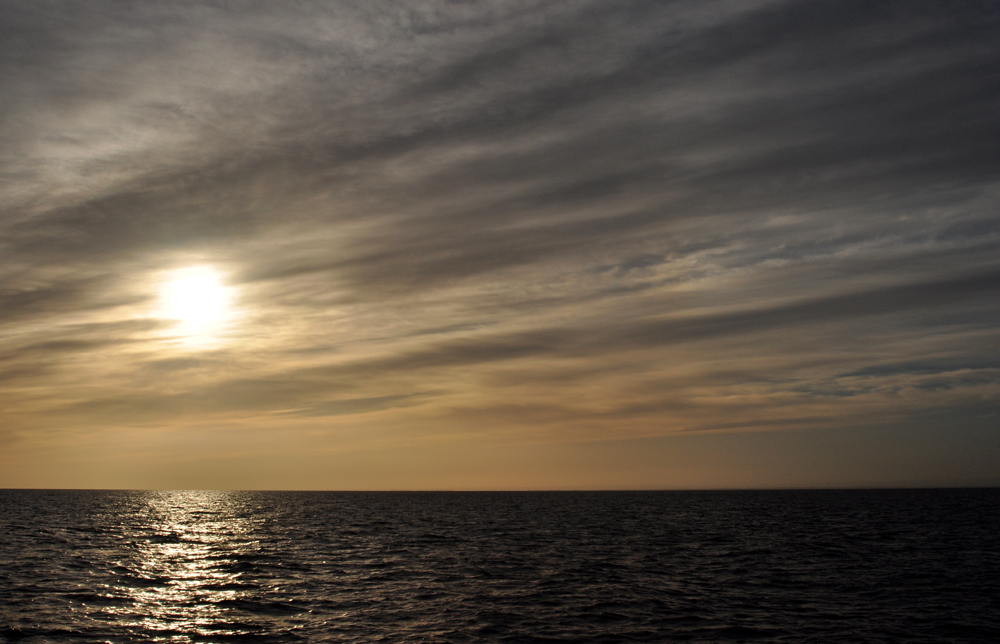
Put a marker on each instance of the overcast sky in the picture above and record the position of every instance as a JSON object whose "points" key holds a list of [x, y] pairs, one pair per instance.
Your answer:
{"points": [[504, 245]]}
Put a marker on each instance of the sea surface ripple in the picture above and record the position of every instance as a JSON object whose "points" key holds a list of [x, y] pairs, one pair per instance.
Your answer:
{"points": [[763, 566]]}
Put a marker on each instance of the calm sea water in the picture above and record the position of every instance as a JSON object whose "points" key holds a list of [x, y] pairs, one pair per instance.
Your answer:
{"points": [[776, 566]]}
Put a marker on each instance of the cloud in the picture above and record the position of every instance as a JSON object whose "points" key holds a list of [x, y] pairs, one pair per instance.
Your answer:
{"points": [[616, 212]]}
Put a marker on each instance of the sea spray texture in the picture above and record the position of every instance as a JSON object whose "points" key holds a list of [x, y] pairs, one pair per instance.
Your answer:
{"points": [[770, 566]]}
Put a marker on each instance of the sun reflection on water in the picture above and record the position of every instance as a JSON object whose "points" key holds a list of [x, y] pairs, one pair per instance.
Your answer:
{"points": [[187, 568]]}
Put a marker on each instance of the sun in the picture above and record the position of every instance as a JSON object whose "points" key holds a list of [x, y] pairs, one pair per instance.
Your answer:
{"points": [[197, 299]]}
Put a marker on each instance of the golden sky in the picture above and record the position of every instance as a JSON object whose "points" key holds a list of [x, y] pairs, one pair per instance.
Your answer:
{"points": [[499, 245]]}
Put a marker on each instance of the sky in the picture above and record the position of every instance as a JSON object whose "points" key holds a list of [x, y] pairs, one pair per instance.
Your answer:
{"points": [[656, 244]]}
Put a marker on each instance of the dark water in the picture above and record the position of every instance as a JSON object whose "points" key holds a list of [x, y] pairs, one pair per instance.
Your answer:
{"points": [[805, 566]]}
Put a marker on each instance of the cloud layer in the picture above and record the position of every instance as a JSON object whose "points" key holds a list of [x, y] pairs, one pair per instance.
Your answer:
{"points": [[502, 227]]}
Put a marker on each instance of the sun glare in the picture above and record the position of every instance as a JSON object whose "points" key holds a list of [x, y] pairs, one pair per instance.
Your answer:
{"points": [[197, 299]]}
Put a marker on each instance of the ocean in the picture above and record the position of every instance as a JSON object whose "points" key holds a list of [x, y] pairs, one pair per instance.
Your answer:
{"points": [[737, 566]]}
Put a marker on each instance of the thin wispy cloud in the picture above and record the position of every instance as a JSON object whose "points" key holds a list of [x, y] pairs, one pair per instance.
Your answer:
{"points": [[498, 224]]}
